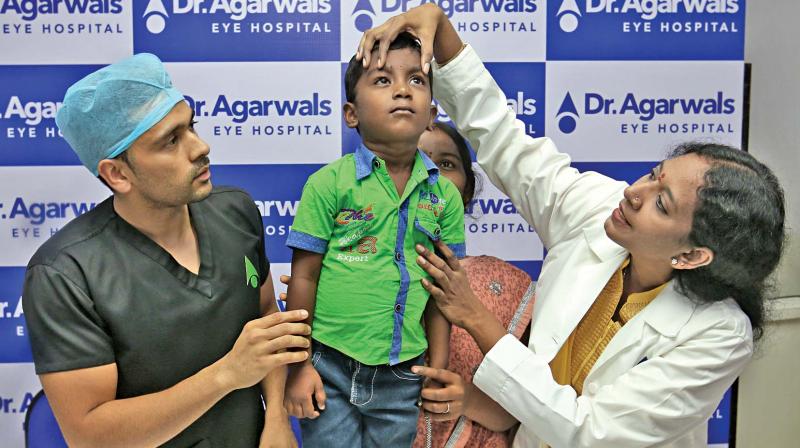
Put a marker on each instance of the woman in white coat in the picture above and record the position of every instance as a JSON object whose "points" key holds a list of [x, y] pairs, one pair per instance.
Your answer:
{"points": [[650, 294]]}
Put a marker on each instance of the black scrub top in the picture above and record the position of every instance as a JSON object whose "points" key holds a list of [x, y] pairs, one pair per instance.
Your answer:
{"points": [[100, 292]]}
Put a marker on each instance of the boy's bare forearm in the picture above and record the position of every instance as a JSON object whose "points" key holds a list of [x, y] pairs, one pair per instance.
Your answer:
{"points": [[302, 290], [302, 294], [437, 328]]}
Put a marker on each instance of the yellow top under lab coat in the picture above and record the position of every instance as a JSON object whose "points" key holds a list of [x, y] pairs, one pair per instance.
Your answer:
{"points": [[583, 348], [693, 352]]}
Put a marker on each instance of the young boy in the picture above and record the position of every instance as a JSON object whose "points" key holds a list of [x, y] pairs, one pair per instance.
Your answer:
{"points": [[354, 266]]}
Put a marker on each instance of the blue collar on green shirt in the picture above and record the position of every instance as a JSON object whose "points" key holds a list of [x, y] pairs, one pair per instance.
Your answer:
{"points": [[364, 158]]}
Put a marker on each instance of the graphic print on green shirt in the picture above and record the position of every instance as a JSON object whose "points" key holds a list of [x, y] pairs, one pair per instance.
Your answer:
{"points": [[369, 298]]}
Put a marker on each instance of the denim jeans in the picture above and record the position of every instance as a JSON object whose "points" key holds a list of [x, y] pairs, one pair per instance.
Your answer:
{"points": [[366, 406]]}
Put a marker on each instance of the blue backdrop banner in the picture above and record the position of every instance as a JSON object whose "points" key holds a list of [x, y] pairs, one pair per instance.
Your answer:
{"points": [[616, 83]]}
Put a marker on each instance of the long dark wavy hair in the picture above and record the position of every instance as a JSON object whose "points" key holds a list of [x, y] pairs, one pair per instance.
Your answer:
{"points": [[740, 216]]}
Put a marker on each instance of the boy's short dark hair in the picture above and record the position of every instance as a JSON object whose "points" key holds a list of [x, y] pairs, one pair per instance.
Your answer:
{"points": [[355, 69]]}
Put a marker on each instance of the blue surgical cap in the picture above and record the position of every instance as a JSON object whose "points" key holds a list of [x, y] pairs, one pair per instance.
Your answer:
{"points": [[105, 112]]}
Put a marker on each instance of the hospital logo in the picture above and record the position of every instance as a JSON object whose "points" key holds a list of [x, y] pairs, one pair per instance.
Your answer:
{"points": [[14, 345], [264, 112], [155, 16], [37, 201], [363, 15], [30, 97], [31, 10], [237, 30], [524, 94], [29, 112], [494, 27], [568, 16], [64, 32], [11, 309], [241, 110], [634, 112], [567, 115], [453, 7], [645, 30], [645, 108], [640, 109], [38, 212], [651, 9]]}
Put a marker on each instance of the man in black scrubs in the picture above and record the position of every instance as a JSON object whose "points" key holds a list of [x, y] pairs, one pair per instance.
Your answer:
{"points": [[145, 314]]}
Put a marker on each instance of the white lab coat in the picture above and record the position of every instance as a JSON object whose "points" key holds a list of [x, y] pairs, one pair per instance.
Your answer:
{"points": [[663, 374]]}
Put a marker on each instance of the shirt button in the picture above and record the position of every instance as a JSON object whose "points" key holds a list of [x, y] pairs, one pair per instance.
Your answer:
{"points": [[398, 256], [592, 388], [398, 308], [376, 163], [437, 231]]}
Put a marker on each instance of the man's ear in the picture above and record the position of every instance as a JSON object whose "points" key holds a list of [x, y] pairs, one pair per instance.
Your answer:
{"points": [[695, 258], [116, 173], [350, 115]]}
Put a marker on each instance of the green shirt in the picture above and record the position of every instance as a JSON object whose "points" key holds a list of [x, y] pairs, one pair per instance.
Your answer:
{"points": [[369, 297]]}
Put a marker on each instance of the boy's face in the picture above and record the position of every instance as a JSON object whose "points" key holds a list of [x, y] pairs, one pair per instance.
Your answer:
{"points": [[392, 104]]}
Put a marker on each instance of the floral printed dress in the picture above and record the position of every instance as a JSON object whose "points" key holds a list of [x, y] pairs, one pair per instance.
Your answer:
{"points": [[508, 292]]}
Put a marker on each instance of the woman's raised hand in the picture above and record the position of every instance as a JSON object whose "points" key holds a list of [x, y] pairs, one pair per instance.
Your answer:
{"points": [[427, 22]]}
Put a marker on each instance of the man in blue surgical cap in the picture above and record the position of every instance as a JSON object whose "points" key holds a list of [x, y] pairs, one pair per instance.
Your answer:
{"points": [[152, 317]]}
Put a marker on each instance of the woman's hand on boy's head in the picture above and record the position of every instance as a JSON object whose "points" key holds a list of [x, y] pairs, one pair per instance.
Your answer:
{"points": [[421, 21]]}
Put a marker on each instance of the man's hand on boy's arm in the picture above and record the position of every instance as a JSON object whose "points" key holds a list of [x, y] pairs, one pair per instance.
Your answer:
{"points": [[89, 414], [304, 381], [277, 432]]}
